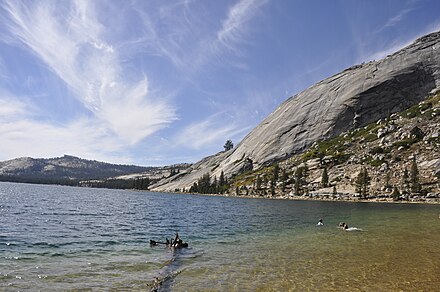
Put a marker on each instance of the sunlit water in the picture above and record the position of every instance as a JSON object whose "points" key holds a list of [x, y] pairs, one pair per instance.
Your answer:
{"points": [[56, 238]]}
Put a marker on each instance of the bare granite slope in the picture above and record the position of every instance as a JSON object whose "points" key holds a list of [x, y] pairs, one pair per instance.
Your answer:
{"points": [[350, 99]]}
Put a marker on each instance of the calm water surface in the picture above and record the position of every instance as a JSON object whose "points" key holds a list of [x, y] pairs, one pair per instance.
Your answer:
{"points": [[56, 238]]}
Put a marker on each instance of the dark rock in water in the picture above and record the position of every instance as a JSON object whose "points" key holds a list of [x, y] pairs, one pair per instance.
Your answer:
{"points": [[350, 99]]}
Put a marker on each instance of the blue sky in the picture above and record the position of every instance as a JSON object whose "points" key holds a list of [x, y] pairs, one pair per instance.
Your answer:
{"points": [[162, 82]]}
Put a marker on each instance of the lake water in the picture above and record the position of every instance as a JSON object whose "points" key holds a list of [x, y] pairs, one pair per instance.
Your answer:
{"points": [[56, 238]]}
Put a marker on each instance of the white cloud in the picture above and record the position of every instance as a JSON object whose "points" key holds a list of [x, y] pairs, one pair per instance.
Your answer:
{"points": [[398, 17], [140, 118], [21, 134], [71, 42], [170, 31], [387, 51], [10, 109], [82, 138], [182, 32], [233, 27], [398, 45], [90, 54]]}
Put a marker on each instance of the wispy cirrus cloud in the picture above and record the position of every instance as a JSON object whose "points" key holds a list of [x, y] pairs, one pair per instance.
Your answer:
{"points": [[171, 31], [210, 131], [186, 38], [73, 46], [192, 48], [390, 48], [11, 108], [236, 23], [397, 18]]}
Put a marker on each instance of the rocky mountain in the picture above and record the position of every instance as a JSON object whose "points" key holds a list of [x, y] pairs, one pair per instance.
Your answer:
{"points": [[346, 101], [400, 154], [62, 170]]}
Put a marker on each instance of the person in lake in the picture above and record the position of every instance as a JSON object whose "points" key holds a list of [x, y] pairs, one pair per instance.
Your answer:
{"points": [[343, 225], [176, 238], [177, 242]]}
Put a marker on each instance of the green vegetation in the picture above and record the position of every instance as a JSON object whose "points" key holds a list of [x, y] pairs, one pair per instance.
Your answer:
{"points": [[406, 143], [331, 147], [423, 109], [228, 145], [374, 162], [395, 194], [362, 182], [377, 150], [301, 180], [204, 185], [324, 178], [405, 180], [141, 183], [414, 177], [361, 145]]}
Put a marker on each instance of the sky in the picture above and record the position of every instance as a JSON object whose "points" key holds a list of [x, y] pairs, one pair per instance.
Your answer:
{"points": [[169, 81]]}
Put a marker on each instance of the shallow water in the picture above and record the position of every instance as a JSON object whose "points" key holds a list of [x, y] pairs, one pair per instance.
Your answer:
{"points": [[64, 238]]}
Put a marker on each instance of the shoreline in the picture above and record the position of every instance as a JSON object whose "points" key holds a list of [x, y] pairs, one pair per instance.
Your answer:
{"points": [[320, 198]]}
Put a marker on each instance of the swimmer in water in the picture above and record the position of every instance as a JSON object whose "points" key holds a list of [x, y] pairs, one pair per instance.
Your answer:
{"points": [[343, 225]]}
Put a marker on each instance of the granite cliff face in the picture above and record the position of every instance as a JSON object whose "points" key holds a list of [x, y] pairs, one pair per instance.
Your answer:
{"points": [[348, 100]]}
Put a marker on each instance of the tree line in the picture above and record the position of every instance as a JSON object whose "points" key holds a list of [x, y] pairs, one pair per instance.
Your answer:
{"points": [[208, 185], [278, 180]]}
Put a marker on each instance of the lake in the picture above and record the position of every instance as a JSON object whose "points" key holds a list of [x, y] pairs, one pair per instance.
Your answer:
{"points": [[56, 238]]}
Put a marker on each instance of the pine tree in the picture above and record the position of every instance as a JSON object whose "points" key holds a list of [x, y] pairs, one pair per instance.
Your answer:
{"points": [[194, 188], [324, 178], [145, 183], [272, 188], [214, 187], [305, 174], [387, 180], [222, 180], [258, 183], [297, 187], [284, 178], [228, 145], [299, 180], [276, 172], [414, 177], [362, 182], [395, 194], [405, 179], [204, 184], [222, 183]]}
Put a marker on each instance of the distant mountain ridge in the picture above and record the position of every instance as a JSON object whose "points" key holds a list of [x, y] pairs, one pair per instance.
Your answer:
{"points": [[62, 169], [349, 100]]}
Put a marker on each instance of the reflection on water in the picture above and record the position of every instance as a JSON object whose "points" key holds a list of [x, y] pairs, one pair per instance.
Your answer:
{"points": [[63, 238]]}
